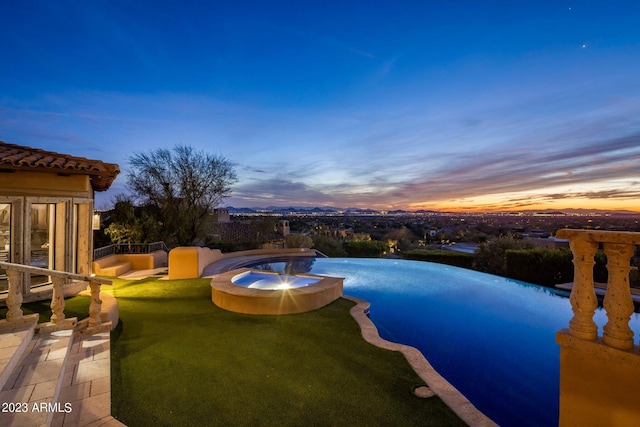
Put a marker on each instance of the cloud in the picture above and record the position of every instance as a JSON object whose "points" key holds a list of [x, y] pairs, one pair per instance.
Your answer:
{"points": [[389, 179], [501, 172], [277, 191], [415, 150], [252, 169], [632, 194]]}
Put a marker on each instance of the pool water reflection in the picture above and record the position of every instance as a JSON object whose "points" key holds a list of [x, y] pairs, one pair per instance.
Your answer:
{"points": [[493, 338]]}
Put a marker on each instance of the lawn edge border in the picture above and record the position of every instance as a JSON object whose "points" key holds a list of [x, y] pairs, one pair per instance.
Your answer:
{"points": [[436, 382]]}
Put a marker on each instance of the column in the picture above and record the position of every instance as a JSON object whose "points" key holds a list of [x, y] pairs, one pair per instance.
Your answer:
{"points": [[57, 300], [583, 297], [617, 301], [95, 305], [14, 298]]}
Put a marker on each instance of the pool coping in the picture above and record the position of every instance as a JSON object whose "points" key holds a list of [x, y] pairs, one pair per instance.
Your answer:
{"points": [[436, 382]]}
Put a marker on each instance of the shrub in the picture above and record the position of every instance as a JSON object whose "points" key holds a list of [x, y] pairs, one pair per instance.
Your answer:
{"points": [[226, 247], [329, 246], [298, 241], [491, 258], [365, 248], [547, 267], [600, 273]]}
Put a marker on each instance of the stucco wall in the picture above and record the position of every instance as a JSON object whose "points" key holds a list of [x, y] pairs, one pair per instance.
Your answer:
{"points": [[188, 262], [599, 385], [45, 184]]}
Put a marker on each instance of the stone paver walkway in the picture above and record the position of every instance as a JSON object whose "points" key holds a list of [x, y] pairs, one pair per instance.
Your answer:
{"points": [[77, 370], [86, 386]]}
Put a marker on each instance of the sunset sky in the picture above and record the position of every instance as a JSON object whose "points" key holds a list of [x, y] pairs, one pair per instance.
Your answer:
{"points": [[461, 105]]}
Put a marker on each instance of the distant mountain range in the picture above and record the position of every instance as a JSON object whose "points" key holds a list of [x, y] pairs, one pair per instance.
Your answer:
{"points": [[316, 210], [332, 210]]}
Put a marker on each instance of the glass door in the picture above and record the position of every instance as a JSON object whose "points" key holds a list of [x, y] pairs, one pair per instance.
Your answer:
{"points": [[42, 239], [5, 242]]}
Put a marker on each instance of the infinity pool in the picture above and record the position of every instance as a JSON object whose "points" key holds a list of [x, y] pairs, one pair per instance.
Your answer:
{"points": [[492, 338]]}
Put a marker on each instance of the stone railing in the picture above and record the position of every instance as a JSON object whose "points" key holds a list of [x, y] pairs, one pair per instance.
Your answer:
{"points": [[58, 278], [619, 248]]}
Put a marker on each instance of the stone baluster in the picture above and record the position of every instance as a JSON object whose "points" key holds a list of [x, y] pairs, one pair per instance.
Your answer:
{"points": [[14, 297], [617, 301], [95, 306], [57, 300], [583, 297]]}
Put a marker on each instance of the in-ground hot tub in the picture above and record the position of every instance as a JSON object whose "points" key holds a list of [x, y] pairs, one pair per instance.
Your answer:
{"points": [[272, 281], [260, 292]]}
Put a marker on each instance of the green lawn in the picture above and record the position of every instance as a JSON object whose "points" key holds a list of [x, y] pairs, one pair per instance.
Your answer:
{"points": [[178, 360]]}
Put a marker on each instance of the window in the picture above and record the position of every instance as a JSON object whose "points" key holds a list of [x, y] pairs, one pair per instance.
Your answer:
{"points": [[42, 240], [5, 242]]}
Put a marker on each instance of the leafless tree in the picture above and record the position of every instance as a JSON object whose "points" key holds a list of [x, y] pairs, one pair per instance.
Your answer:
{"points": [[181, 187]]}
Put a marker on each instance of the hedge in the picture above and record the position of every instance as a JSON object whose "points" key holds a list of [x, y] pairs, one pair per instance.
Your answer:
{"points": [[458, 259], [548, 267]]}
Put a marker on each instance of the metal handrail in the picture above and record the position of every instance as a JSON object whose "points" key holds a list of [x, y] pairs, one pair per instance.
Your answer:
{"points": [[129, 248], [104, 251]]}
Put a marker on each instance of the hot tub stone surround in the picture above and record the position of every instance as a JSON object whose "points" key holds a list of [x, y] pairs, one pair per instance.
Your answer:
{"points": [[226, 295], [292, 281]]}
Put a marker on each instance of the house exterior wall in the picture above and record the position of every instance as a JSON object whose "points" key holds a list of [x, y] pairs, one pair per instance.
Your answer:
{"points": [[72, 198], [21, 183]]}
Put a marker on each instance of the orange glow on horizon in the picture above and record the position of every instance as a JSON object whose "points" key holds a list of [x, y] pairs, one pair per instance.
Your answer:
{"points": [[509, 206]]}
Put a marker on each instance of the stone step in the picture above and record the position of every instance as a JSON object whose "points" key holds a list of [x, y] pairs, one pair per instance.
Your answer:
{"points": [[14, 340], [86, 388], [33, 387]]}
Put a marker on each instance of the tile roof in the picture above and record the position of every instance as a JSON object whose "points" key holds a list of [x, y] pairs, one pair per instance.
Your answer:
{"points": [[16, 157]]}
